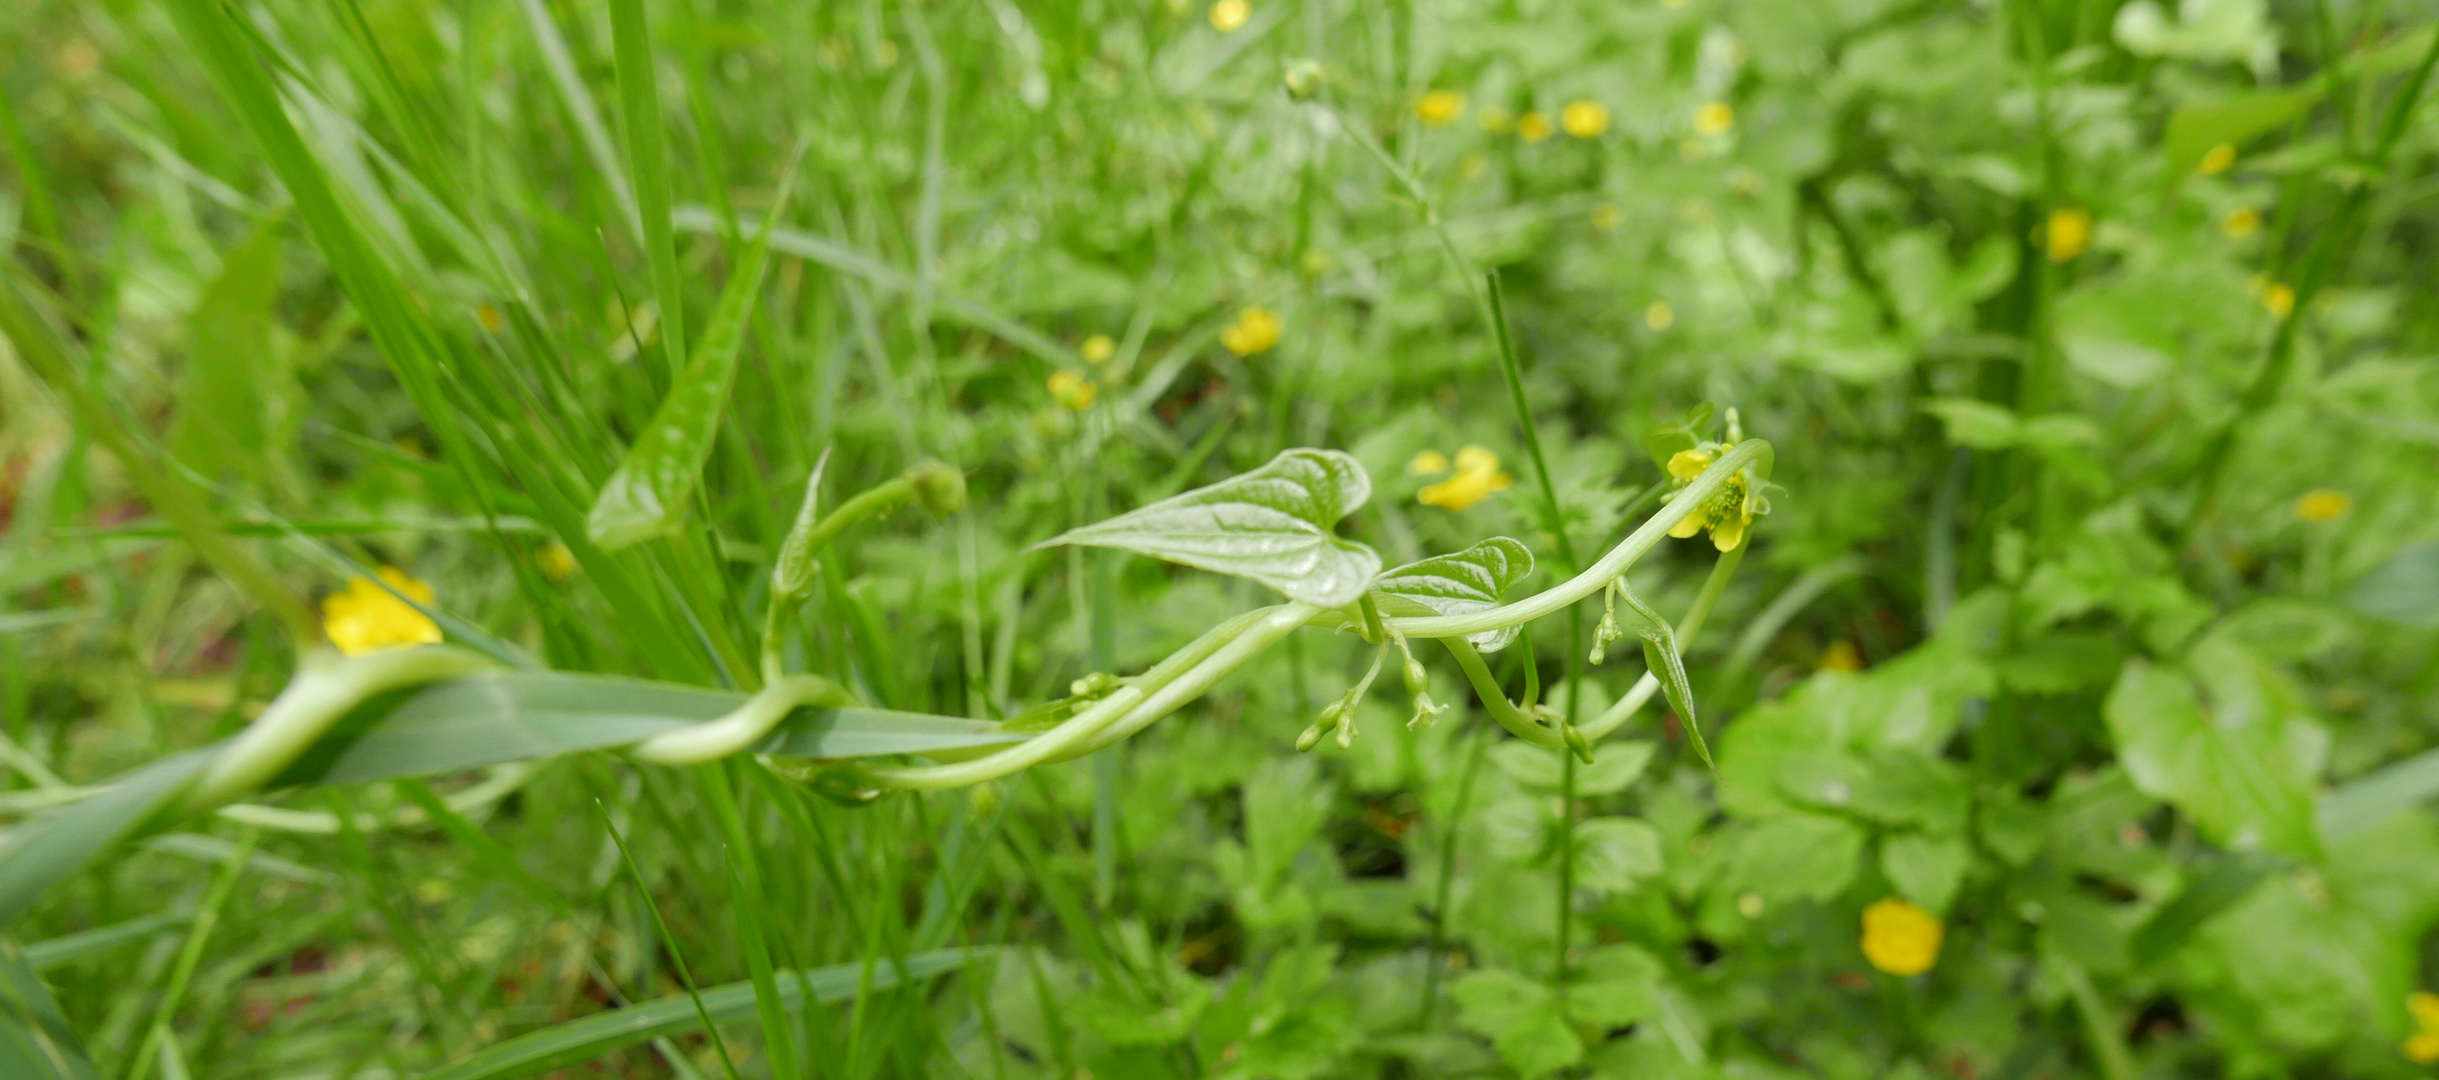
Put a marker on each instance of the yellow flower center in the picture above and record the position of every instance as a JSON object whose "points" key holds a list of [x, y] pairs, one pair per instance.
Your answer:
{"points": [[1899, 938], [365, 618]]}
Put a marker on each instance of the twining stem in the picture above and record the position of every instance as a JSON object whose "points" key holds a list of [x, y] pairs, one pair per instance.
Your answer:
{"points": [[1486, 687], [1746, 454], [1649, 684], [743, 726], [325, 688], [1128, 710]]}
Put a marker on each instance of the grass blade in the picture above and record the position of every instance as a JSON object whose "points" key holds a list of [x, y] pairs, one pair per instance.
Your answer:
{"points": [[35, 1042], [639, 104]]}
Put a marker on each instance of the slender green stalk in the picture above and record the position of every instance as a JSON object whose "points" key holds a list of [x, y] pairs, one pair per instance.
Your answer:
{"points": [[1686, 628], [677, 957], [639, 100], [1494, 699], [190, 955], [1444, 888]]}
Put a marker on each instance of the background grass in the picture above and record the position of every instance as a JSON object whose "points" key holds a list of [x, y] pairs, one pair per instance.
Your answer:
{"points": [[407, 276]]}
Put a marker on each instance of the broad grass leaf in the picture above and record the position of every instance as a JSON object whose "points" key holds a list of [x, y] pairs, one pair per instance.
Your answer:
{"points": [[647, 495], [579, 1041], [1468, 581], [35, 1042], [2241, 766], [500, 717], [1271, 525], [44, 852]]}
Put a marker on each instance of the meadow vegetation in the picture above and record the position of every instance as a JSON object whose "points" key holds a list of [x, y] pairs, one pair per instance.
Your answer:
{"points": [[1256, 539]]}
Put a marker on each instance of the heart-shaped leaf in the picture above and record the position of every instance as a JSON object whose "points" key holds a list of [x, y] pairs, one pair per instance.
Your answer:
{"points": [[1460, 584], [1271, 525]]}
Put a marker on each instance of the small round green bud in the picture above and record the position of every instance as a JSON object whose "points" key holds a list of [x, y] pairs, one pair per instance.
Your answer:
{"points": [[939, 488], [1311, 738], [1099, 684], [1303, 78]]}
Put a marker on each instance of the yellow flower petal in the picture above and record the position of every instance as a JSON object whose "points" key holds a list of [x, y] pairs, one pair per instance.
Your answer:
{"points": [[364, 618], [1728, 533], [1584, 119], [2423, 1006], [2422, 1048], [1687, 526], [1427, 463], [556, 561], [1532, 127], [2279, 297], [2219, 159], [1098, 348], [1440, 107], [1688, 464], [1899, 938], [1480, 459], [1073, 390], [2242, 223], [1228, 15], [1714, 118]]}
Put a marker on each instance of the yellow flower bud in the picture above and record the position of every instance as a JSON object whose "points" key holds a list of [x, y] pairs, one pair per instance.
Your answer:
{"points": [[1073, 390], [1427, 463], [1098, 348], [1659, 315], [1228, 15], [1714, 118], [1478, 477], [2219, 159]]}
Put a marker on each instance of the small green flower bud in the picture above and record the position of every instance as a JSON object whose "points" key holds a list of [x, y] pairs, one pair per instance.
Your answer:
{"points": [[939, 488], [1311, 738], [1579, 744], [1303, 78]]}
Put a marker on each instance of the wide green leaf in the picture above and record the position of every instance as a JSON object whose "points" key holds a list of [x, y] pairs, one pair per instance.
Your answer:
{"points": [[43, 852], [1463, 583], [647, 495], [35, 1043], [1271, 525], [582, 1040], [2241, 766]]}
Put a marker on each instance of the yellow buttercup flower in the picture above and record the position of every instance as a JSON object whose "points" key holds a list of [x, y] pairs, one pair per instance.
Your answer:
{"points": [[1714, 118], [1478, 477], [2242, 223], [2422, 1047], [2068, 233], [1427, 463], [556, 562], [1440, 107], [1729, 512], [363, 618], [1073, 390], [1532, 127], [1660, 316], [1899, 938], [1228, 15], [2219, 159], [2279, 297], [1255, 330], [1098, 348], [2324, 504], [1584, 119]]}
